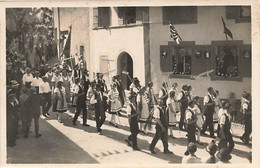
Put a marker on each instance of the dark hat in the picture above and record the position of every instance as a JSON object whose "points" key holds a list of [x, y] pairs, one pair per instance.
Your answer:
{"points": [[212, 147], [192, 147], [136, 79], [36, 72], [223, 155]]}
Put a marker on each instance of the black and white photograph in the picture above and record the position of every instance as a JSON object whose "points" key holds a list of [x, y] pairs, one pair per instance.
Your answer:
{"points": [[141, 85]]}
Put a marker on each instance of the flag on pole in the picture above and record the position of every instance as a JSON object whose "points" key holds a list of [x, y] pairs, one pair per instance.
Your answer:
{"points": [[66, 48], [174, 34], [226, 30]]}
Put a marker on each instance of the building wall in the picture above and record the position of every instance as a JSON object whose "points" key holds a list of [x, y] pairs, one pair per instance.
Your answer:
{"points": [[208, 28], [79, 19], [113, 41]]}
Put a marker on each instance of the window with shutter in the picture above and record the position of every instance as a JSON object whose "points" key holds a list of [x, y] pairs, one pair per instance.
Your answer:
{"points": [[127, 15]]}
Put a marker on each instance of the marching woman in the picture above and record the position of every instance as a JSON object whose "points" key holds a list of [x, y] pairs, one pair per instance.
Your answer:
{"points": [[60, 103], [115, 107], [217, 106], [172, 109], [134, 88], [90, 107], [143, 109], [66, 84], [200, 121]]}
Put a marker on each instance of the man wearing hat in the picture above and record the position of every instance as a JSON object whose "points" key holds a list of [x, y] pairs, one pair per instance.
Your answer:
{"points": [[191, 121], [183, 100], [211, 149], [209, 111], [225, 126], [247, 112], [11, 120], [191, 158], [99, 100], [81, 104], [132, 114], [45, 92], [27, 78], [36, 81], [161, 127], [101, 81], [33, 112]]}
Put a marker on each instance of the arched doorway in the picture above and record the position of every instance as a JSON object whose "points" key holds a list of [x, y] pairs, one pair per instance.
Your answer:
{"points": [[125, 63]]}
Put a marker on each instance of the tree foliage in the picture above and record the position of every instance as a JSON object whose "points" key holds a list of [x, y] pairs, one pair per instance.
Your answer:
{"points": [[33, 29]]}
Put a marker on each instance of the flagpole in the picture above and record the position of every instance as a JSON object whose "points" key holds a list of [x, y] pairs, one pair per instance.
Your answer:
{"points": [[58, 33]]}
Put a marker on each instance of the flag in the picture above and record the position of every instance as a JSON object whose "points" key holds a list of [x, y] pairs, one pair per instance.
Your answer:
{"points": [[66, 48], [226, 30], [174, 34]]}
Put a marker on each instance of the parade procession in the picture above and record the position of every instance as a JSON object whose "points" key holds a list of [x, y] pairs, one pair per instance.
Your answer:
{"points": [[113, 81]]}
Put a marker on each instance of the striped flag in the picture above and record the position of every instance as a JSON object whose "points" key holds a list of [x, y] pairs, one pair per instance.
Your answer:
{"points": [[174, 34]]}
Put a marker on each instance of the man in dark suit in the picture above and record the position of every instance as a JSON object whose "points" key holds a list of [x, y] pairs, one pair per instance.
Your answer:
{"points": [[81, 104], [85, 77], [11, 120], [100, 108], [209, 110]]}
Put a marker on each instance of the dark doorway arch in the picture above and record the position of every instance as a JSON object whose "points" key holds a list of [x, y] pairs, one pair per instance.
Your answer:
{"points": [[125, 63]]}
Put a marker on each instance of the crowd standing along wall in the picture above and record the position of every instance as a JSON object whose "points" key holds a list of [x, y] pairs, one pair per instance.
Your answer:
{"points": [[208, 28]]}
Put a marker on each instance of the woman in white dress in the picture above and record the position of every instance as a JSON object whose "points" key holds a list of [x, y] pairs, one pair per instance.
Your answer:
{"points": [[60, 100], [115, 107], [200, 121], [172, 109], [142, 108], [217, 106]]}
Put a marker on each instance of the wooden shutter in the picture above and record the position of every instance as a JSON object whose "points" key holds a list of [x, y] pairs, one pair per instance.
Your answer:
{"points": [[165, 60], [103, 16], [139, 15], [244, 63], [121, 15], [95, 17]]}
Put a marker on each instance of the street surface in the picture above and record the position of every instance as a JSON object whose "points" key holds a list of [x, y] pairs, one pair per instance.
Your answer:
{"points": [[65, 143]]}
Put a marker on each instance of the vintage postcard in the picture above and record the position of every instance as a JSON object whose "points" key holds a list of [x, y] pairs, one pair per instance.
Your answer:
{"points": [[130, 83]]}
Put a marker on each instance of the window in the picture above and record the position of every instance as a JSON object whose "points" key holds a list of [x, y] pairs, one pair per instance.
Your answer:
{"points": [[126, 15], [180, 14], [101, 17], [177, 58], [239, 13], [227, 61], [182, 60]]}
